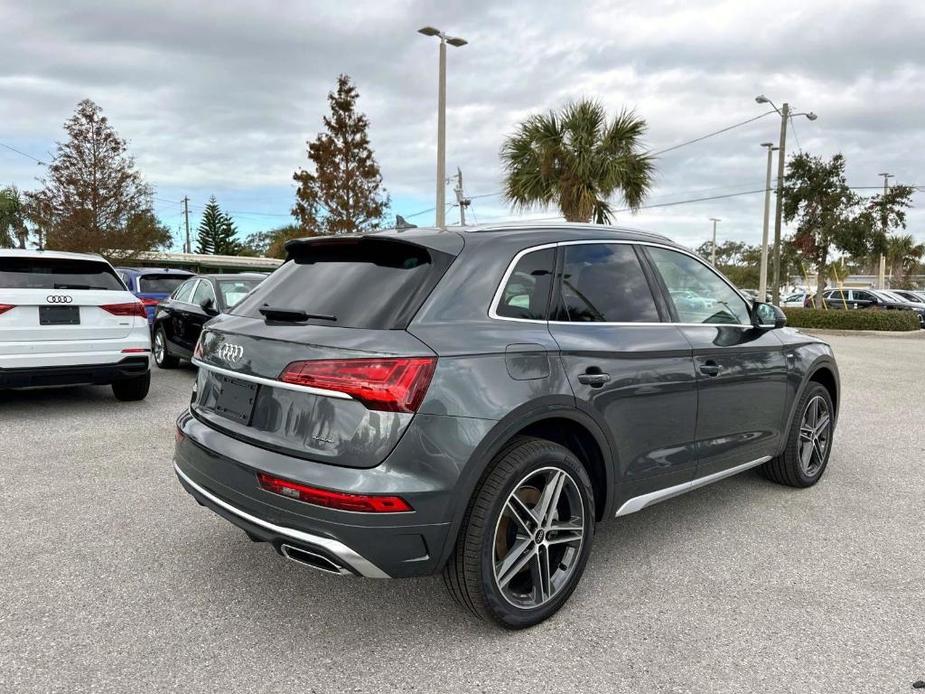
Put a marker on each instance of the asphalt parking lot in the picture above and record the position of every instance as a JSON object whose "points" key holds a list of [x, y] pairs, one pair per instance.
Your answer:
{"points": [[113, 579]]}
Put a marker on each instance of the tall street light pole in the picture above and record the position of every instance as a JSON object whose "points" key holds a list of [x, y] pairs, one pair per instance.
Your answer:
{"points": [[763, 276], [785, 115], [713, 249], [441, 119], [881, 275]]}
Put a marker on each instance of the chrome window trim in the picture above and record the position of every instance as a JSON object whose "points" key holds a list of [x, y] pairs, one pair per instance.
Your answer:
{"points": [[271, 382], [349, 556], [637, 503], [496, 299]]}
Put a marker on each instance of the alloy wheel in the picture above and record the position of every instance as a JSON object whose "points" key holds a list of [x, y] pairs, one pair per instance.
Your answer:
{"points": [[159, 347], [815, 432], [538, 538]]}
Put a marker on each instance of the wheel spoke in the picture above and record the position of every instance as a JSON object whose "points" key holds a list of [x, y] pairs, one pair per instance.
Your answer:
{"points": [[523, 515], [565, 533], [539, 570], [806, 454], [515, 560], [546, 508], [806, 433], [821, 425]]}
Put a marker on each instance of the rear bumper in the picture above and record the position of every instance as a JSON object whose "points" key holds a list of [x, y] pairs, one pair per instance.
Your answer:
{"points": [[81, 374], [340, 554], [221, 473]]}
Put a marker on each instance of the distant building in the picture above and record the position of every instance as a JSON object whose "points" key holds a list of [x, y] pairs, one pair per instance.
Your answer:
{"points": [[197, 262]]}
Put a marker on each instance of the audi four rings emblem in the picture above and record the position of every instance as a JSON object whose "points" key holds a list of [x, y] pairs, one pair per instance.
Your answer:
{"points": [[58, 299], [230, 352]]}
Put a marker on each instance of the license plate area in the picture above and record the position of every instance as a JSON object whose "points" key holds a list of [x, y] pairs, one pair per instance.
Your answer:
{"points": [[59, 315], [235, 399]]}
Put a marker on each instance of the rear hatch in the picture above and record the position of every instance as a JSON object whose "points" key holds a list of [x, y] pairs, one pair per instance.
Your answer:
{"points": [[153, 288], [47, 300], [316, 362]]}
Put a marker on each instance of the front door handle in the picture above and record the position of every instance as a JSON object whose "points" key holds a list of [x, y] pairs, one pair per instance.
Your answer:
{"points": [[710, 368], [595, 379]]}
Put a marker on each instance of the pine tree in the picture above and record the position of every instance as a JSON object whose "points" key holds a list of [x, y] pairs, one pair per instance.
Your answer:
{"points": [[344, 194], [217, 232], [94, 199]]}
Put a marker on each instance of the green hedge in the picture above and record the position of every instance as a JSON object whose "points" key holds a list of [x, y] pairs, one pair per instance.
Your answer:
{"points": [[852, 319]]}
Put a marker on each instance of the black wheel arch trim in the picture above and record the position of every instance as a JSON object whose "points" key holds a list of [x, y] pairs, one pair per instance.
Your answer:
{"points": [[823, 362], [555, 407]]}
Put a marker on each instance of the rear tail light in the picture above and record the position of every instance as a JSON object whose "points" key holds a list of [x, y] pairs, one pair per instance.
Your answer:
{"points": [[148, 302], [135, 350], [132, 308], [5, 307], [390, 384], [197, 350], [366, 503]]}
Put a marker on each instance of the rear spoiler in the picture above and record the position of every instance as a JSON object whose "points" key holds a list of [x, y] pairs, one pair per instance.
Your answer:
{"points": [[449, 242]]}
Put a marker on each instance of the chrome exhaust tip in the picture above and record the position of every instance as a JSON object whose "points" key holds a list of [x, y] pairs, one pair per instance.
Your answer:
{"points": [[313, 560]]}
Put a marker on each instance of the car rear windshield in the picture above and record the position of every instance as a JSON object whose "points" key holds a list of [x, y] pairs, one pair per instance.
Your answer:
{"points": [[233, 291], [57, 273], [367, 283], [164, 284]]}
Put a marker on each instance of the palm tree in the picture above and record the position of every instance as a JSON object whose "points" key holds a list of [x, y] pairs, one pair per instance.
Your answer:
{"points": [[903, 255], [577, 159]]}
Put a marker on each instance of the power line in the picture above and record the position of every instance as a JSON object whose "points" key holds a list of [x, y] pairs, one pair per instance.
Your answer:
{"points": [[13, 149], [708, 135]]}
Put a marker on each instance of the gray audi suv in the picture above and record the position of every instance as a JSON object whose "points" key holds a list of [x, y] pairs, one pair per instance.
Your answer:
{"points": [[473, 401]]}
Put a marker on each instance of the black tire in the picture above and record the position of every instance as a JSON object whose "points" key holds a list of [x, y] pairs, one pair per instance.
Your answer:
{"points": [[131, 389], [790, 468], [470, 572], [162, 356]]}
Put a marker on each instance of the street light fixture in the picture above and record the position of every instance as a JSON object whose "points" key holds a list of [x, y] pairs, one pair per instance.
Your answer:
{"points": [[785, 115], [441, 118]]}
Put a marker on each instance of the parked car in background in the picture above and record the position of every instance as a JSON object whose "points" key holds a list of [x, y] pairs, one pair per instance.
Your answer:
{"points": [[474, 402], [180, 317], [910, 295], [66, 319], [869, 299], [794, 300], [152, 285]]}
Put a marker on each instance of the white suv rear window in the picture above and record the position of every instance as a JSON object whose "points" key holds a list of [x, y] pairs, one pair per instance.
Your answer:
{"points": [[57, 273]]}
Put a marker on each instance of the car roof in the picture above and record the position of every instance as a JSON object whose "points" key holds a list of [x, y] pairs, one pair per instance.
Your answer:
{"points": [[36, 253]]}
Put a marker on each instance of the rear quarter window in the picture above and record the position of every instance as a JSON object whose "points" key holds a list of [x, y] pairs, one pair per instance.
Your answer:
{"points": [[364, 283], [57, 273]]}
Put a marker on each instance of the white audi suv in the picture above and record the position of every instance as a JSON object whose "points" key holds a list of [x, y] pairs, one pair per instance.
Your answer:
{"points": [[67, 319]]}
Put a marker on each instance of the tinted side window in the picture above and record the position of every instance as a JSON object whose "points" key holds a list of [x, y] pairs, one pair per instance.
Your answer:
{"points": [[203, 292], [604, 282], [526, 291], [698, 293], [184, 291]]}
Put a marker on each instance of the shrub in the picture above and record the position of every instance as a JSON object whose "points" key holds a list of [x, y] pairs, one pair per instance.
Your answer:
{"points": [[852, 319]]}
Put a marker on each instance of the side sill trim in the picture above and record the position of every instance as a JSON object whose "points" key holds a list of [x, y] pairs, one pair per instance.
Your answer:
{"points": [[637, 503], [338, 549]]}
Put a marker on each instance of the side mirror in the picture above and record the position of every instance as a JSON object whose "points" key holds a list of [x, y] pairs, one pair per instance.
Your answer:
{"points": [[207, 305], [768, 316]]}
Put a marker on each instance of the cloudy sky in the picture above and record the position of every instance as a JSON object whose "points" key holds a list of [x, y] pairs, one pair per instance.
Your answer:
{"points": [[219, 97]]}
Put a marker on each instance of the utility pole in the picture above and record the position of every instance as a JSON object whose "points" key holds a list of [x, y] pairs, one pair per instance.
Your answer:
{"points": [[881, 275], [461, 200], [441, 118], [187, 248], [713, 254], [779, 209], [763, 276]]}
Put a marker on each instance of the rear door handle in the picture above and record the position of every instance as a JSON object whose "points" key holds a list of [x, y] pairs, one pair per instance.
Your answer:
{"points": [[595, 380], [710, 368]]}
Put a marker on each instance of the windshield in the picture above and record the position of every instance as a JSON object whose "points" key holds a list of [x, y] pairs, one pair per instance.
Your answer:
{"points": [[232, 291], [57, 273]]}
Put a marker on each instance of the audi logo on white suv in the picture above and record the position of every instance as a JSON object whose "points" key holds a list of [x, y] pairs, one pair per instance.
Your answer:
{"points": [[58, 299]]}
